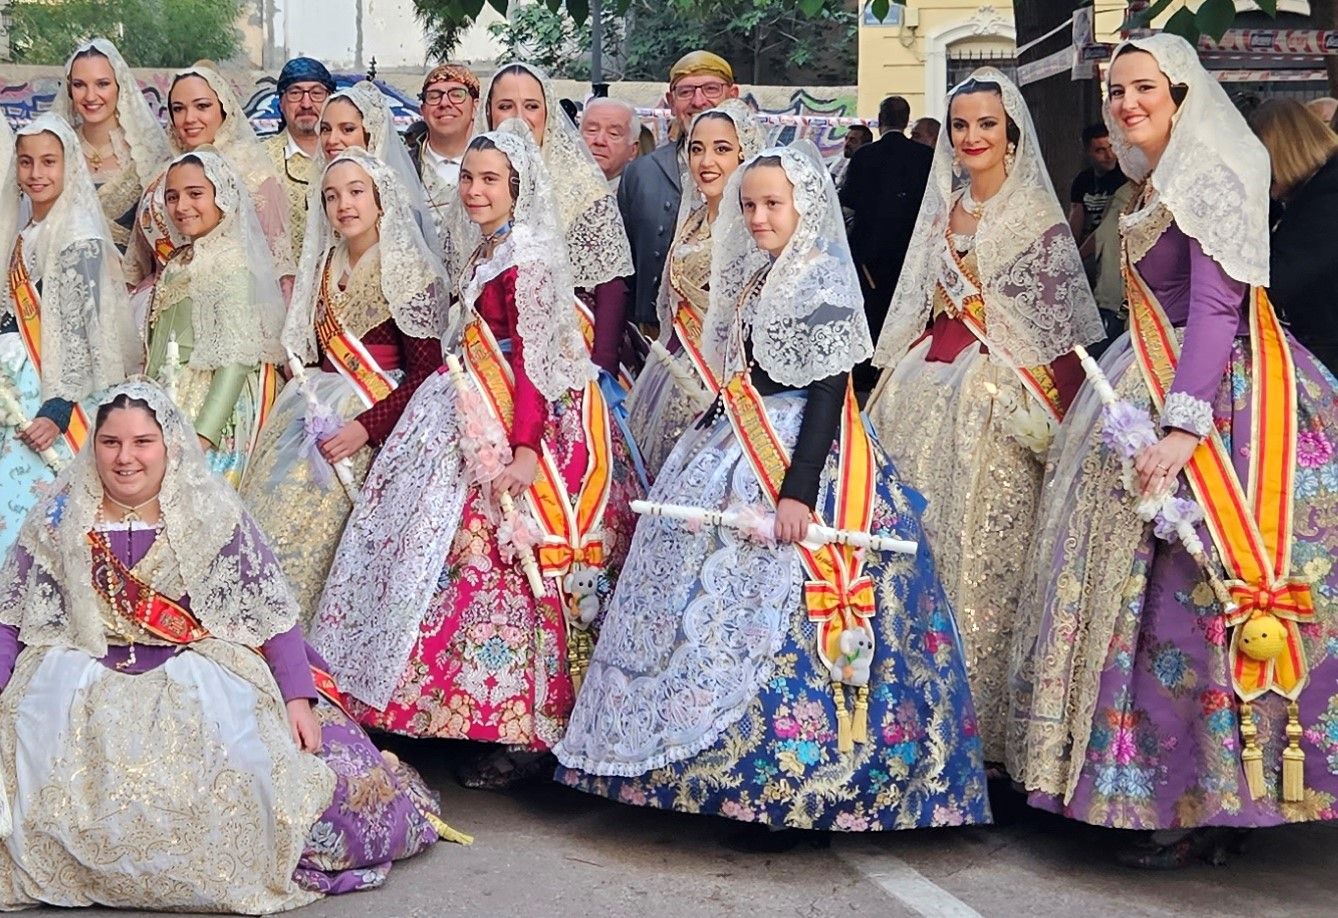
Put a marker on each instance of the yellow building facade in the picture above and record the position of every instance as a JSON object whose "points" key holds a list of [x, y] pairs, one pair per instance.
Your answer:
{"points": [[920, 47]]}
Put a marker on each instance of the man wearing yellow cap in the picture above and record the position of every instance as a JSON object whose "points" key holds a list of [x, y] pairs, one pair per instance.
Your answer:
{"points": [[652, 185]]}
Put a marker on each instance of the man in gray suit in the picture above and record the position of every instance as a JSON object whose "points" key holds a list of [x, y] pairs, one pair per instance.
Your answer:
{"points": [[651, 186]]}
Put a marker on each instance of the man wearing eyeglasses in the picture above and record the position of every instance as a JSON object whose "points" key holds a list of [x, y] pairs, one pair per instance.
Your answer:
{"points": [[651, 185], [437, 143], [304, 85]]}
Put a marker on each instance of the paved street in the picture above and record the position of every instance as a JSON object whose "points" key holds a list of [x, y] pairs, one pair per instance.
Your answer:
{"points": [[551, 852]]}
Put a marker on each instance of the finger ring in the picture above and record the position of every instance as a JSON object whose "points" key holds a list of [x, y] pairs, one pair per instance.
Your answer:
{"points": [[1163, 468]]}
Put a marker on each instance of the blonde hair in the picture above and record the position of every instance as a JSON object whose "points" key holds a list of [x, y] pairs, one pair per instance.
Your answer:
{"points": [[1298, 143]]}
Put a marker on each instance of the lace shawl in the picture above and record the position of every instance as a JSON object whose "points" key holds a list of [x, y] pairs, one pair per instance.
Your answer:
{"points": [[413, 279], [556, 358], [597, 243], [807, 322], [383, 143], [236, 142], [137, 128], [236, 588], [237, 308], [1037, 300], [692, 233], [1214, 175], [88, 341]]}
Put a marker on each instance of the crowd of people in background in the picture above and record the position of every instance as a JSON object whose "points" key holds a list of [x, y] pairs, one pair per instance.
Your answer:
{"points": [[714, 478]]}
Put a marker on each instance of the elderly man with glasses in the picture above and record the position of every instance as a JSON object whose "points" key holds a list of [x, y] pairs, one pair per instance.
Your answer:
{"points": [[437, 143], [304, 85], [651, 186]]}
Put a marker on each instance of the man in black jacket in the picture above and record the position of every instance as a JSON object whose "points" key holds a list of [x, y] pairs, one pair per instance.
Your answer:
{"points": [[652, 185], [883, 188]]}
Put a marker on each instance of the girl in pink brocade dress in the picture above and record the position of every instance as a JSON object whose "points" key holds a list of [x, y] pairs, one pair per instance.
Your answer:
{"points": [[427, 618]]}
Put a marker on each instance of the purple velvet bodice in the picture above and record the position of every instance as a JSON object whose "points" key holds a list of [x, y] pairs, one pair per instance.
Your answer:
{"points": [[1201, 298], [286, 653]]}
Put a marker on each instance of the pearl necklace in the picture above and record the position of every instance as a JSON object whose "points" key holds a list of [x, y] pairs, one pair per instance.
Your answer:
{"points": [[969, 204]]}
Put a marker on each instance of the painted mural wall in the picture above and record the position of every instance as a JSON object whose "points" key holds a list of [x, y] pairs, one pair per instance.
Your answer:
{"points": [[26, 92]]}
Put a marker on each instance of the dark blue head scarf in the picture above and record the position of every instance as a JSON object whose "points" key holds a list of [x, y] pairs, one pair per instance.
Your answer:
{"points": [[304, 70]]}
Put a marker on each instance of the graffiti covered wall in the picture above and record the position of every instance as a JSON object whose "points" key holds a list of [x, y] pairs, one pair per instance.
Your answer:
{"points": [[26, 92]]}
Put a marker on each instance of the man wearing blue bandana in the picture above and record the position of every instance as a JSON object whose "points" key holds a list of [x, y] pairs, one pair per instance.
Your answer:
{"points": [[304, 85]]}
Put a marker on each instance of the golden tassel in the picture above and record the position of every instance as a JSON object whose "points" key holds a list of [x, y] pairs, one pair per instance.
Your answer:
{"points": [[1293, 758], [579, 650], [844, 741], [859, 729], [445, 832], [1251, 756]]}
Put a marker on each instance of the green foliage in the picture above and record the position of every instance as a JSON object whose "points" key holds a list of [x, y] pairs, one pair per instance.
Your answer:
{"points": [[554, 40], [445, 21], [149, 33], [1212, 18], [767, 41]]}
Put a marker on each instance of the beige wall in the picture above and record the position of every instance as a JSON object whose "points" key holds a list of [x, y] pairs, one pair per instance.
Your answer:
{"points": [[911, 59]]}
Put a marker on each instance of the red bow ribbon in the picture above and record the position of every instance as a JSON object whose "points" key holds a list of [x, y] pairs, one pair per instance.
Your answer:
{"points": [[558, 559], [1288, 598], [825, 599]]}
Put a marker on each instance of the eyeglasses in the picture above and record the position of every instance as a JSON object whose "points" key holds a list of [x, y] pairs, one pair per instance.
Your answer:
{"points": [[455, 95], [318, 94], [713, 92]]}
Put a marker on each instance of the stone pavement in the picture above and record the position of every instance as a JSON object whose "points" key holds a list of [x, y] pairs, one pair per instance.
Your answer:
{"points": [[550, 852]]}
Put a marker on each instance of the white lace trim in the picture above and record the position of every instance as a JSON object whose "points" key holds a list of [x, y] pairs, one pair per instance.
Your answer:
{"points": [[394, 544], [1037, 300], [808, 322], [1183, 411], [696, 622], [240, 594], [588, 213], [1214, 175], [87, 338]]}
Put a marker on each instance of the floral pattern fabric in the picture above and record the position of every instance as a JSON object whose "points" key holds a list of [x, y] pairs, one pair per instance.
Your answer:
{"points": [[766, 751]]}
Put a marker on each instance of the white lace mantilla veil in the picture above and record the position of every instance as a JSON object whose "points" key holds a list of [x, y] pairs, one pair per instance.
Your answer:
{"points": [[414, 281], [1214, 175], [1037, 299], [236, 141], [588, 212], [137, 127], [752, 139], [384, 143], [808, 322], [85, 347], [228, 331], [237, 593], [556, 358], [9, 196]]}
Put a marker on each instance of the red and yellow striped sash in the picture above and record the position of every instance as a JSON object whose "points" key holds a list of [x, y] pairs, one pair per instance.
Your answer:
{"points": [[347, 354], [572, 530], [688, 326], [586, 320], [837, 595], [28, 310], [153, 224], [1251, 526], [959, 285], [164, 618]]}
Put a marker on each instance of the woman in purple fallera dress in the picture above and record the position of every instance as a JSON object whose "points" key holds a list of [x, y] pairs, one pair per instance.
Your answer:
{"points": [[167, 739], [1141, 700]]}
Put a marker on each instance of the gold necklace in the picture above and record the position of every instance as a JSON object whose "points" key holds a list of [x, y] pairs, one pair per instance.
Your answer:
{"points": [[94, 154]]}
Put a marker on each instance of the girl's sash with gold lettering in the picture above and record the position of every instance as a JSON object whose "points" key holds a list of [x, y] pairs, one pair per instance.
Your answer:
{"points": [[962, 289], [347, 354], [586, 320], [572, 529], [839, 597], [688, 326], [28, 311], [166, 619], [1251, 526]]}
